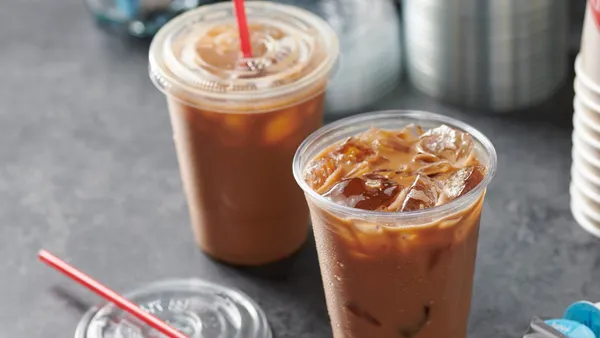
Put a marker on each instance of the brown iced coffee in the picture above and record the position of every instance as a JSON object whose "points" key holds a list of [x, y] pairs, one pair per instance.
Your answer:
{"points": [[395, 200], [238, 121]]}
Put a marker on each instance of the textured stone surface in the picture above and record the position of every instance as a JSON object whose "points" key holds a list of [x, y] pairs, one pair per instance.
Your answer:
{"points": [[88, 171]]}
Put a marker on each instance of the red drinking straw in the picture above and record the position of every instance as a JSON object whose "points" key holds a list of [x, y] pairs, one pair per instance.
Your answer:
{"points": [[108, 294], [240, 14]]}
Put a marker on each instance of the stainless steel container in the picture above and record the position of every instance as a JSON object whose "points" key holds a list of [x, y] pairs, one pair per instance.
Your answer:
{"points": [[499, 55]]}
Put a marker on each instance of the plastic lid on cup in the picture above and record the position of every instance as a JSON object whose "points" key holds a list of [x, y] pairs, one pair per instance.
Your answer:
{"points": [[197, 54], [197, 308]]}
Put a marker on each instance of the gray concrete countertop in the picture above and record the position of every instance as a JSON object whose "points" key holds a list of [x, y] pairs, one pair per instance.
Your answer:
{"points": [[88, 171]]}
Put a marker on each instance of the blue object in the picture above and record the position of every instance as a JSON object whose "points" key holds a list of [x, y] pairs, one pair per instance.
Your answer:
{"points": [[128, 7], [586, 313], [139, 18], [571, 328]]}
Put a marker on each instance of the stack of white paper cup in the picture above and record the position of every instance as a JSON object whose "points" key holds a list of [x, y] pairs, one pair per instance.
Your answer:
{"points": [[585, 171]]}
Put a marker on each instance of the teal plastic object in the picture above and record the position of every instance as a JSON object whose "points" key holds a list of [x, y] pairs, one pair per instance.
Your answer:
{"points": [[571, 328], [586, 313]]}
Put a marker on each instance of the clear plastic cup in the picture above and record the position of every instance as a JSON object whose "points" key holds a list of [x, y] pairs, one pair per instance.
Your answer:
{"points": [[383, 273], [238, 121], [197, 308]]}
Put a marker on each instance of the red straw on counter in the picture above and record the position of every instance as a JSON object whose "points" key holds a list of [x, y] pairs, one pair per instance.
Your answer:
{"points": [[108, 294], [240, 14]]}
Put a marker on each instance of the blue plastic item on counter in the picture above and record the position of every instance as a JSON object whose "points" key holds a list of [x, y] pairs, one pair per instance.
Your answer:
{"points": [[557, 328], [570, 328], [586, 313], [139, 18]]}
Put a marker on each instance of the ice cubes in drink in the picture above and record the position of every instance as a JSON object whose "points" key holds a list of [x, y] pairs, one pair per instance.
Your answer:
{"points": [[319, 170], [423, 193], [370, 192], [446, 143], [397, 171], [280, 127], [352, 151], [385, 141], [411, 133], [463, 180]]}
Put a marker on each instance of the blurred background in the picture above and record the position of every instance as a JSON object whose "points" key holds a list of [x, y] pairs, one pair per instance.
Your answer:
{"points": [[497, 56]]}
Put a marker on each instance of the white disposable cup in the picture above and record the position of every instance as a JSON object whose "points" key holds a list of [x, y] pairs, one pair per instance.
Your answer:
{"points": [[583, 160], [586, 135], [586, 154], [588, 116], [587, 113], [586, 85], [586, 182], [583, 214], [590, 44], [587, 202]]}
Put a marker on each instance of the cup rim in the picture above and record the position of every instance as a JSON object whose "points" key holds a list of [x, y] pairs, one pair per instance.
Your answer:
{"points": [[364, 118], [585, 80]]}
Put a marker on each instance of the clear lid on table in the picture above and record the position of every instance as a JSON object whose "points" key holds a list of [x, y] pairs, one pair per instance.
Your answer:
{"points": [[197, 308]]}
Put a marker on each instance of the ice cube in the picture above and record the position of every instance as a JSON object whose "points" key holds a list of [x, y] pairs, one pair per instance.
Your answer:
{"points": [[422, 194], [236, 123], [358, 170], [385, 141], [446, 143], [318, 171], [352, 151], [280, 127], [411, 133], [425, 158], [463, 181], [372, 238], [392, 144], [387, 173], [369, 193], [436, 168]]}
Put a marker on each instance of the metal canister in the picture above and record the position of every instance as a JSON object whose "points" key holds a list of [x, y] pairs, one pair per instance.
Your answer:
{"points": [[496, 55]]}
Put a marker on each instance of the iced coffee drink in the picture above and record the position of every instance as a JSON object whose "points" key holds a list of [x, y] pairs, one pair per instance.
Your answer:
{"points": [[238, 121], [395, 200]]}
